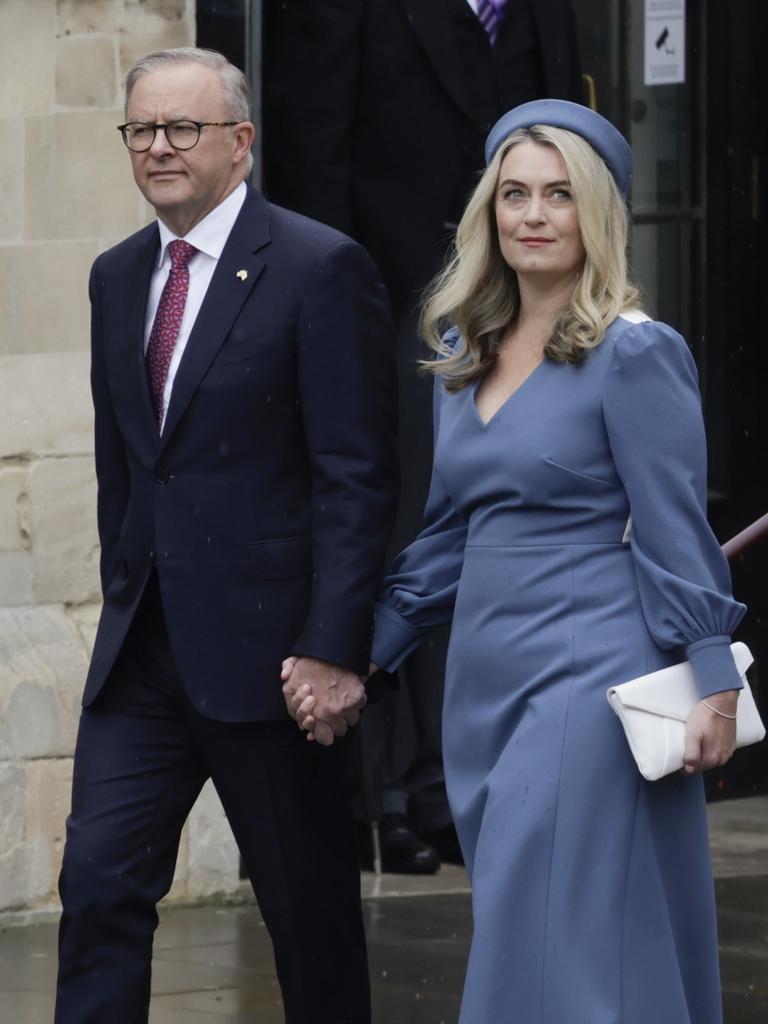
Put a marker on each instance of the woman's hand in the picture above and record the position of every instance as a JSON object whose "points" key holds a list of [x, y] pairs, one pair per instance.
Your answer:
{"points": [[710, 738]]}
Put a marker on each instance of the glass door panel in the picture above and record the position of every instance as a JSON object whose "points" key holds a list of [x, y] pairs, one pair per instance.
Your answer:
{"points": [[667, 211]]}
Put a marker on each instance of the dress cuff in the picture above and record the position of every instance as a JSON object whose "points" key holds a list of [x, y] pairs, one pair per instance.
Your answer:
{"points": [[393, 638], [713, 666]]}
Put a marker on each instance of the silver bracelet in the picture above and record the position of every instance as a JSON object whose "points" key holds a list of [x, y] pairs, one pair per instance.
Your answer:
{"points": [[721, 713]]}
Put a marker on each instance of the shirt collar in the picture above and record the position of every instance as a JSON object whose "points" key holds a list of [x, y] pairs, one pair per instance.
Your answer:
{"points": [[211, 234]]}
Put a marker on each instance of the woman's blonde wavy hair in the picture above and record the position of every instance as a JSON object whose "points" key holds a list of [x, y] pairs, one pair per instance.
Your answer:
{"points": [[478, 291]]}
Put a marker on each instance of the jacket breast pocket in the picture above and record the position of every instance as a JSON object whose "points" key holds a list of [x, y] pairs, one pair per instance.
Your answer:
{"points": [[280, 558], [237, 350]]}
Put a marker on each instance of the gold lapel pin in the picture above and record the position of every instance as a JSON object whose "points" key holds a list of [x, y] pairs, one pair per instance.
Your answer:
{"points": [[242, 274]]}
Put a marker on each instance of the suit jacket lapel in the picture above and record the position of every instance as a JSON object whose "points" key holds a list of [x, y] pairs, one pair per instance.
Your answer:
{"points": [[127, 330], [562, 78], [431, 20], [227, 292]]}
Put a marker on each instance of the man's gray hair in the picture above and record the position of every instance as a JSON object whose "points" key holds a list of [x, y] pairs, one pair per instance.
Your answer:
{"points": [[235, 83]]}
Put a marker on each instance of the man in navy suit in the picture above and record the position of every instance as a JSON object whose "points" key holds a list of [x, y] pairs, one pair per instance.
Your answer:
{"points": [[243, 386]]}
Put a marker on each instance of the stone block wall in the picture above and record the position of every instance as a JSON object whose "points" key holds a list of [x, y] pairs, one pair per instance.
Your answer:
{"points": [[66, 193]]}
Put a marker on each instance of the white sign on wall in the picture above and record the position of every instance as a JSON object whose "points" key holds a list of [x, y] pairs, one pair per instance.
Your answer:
{"points": [[664, 42]]}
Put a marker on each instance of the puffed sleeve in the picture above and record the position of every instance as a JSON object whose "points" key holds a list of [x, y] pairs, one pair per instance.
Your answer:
{"points": [[652, 411], [420, 591]]}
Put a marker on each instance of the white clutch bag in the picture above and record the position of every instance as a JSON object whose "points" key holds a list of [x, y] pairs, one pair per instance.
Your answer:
{"points": [[654, 708]]}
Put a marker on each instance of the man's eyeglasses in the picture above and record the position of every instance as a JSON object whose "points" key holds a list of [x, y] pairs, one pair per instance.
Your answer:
{"points": [[139, 135]]}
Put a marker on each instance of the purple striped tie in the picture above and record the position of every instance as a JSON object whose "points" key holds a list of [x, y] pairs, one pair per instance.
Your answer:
{"points": [[489, 12]]}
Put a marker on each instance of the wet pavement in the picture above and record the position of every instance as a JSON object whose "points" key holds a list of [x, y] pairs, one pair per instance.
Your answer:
{"points": [[213, 965]]}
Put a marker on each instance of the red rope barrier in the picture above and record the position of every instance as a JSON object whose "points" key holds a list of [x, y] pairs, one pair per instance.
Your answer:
{"points": [[754, 532]]}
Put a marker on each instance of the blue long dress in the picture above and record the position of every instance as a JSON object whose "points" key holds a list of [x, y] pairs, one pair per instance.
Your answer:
{"points": [[592, 889]]}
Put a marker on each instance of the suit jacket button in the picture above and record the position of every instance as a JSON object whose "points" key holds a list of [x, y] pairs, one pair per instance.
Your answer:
{"points": [[162, 476]]}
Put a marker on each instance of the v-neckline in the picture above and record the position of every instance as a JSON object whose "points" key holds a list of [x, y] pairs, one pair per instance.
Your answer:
{"points": [[473, 396]]}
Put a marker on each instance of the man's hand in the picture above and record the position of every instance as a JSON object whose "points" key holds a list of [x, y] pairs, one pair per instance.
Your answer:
{"points": [[325, 699], [710, 739]]}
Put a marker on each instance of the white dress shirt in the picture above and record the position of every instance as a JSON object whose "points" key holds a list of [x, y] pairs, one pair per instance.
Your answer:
{"points": [[209, 238], [473, 5]]}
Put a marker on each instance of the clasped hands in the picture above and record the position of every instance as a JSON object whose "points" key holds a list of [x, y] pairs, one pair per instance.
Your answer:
{"points": [[323, 699]]}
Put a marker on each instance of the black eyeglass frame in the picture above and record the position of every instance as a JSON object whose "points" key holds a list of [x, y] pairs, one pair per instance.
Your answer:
{"points": [[172, 124]]}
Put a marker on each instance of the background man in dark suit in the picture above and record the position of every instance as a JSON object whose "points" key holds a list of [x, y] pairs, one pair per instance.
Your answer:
{"points": [[376, 112], [243, 389]]}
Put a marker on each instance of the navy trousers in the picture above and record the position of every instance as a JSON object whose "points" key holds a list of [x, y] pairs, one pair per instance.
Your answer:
{"points": [[143, 753]]}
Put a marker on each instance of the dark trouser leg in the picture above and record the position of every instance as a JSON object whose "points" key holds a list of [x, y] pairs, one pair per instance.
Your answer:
{"points": [[424, 781], [285, 800], [136, 776]]}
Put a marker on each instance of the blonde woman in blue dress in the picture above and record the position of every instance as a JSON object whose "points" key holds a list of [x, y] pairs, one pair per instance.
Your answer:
{"points": [[566, 540]]}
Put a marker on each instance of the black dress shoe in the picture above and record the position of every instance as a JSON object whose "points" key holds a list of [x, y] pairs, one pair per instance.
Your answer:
{"points": [[402, 851], [446, 843]]}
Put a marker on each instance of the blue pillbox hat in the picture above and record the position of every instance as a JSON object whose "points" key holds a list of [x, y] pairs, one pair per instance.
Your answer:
{"points": [[598, 132]]}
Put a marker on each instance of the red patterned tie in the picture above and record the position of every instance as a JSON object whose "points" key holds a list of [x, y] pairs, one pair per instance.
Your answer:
{"points": [[165, 329]]}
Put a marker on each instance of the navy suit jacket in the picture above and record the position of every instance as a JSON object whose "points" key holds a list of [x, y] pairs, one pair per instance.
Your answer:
{"points": [[267, 502]]}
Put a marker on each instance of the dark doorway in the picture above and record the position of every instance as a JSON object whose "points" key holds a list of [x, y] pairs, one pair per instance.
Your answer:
{"points": [[735, 342], [700, 218], [221, 25]]}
